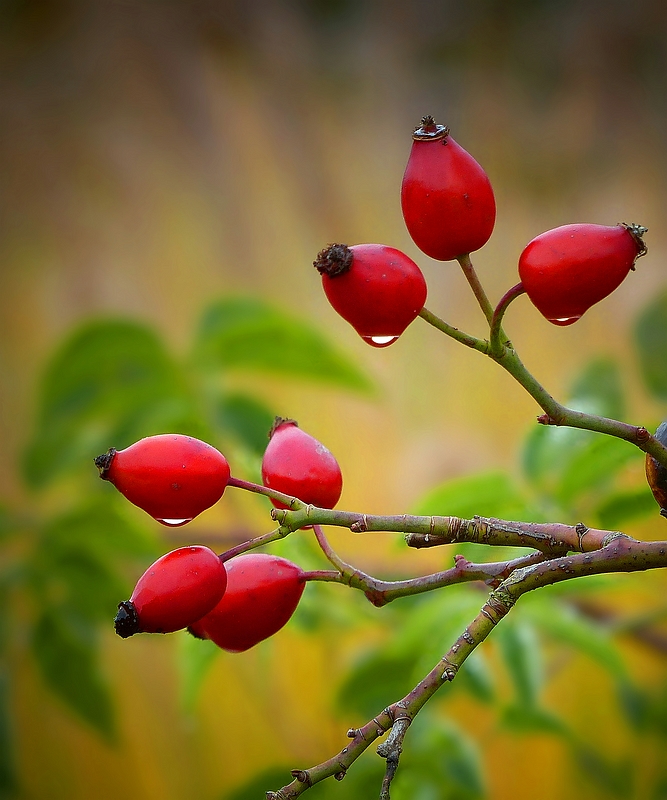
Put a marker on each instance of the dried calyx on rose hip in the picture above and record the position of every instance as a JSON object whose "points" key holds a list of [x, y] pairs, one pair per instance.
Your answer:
{"points": [[177, 590], [297, 464], [567, 270], [170, 476], [262, 593], [447, 200], [377, 289], [656, 473]]}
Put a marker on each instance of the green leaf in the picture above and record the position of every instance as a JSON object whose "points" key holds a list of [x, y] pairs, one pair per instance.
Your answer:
{"points": [[476, 677], [651, 342], [248, 420], [248, 334], [595, 466], [528, 719], [566, 625], [112, 381], [196, 656], [439, 762], [8, 777], [66, 652], [600, 384], [521, 653], [377, 679], [627, 506], [82, 560], [615, 776], [486, 494]]}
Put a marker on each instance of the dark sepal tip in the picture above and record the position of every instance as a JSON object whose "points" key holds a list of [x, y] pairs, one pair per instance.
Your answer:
{"points": [[103, 462], [127, 620], [336, 259]]}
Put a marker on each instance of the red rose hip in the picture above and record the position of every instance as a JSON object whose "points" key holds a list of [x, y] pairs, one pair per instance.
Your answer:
{"points": [[176, 591], [567, 270], [295, 463], [262, 593], [377, 289], [447, 200], [170, 476]]}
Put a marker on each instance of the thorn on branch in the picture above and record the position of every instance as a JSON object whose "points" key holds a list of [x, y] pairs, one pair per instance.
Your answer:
{"points": [[545, 419]]}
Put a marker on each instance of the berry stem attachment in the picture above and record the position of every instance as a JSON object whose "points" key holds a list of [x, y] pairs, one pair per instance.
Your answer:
{"points": [[495, 333], [251, 544], [293, 502]]}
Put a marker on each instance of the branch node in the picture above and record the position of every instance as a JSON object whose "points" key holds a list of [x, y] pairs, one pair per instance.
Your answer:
{"points": [[545, 419], [301, 775], [352, 733], [360, 526], [642, 435]]}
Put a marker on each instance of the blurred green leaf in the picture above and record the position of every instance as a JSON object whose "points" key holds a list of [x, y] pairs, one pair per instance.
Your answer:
{"points": [[83, 557], [8, 777], [565, 624], [520, 650], [595, 466], [379, 678], [112, 381], [246, 419], [651, 342], [66, 652], [248, 334], [476, 677], [195, 657], [522, 718], [616, 777], [600, 385], [486, 494], [626, 506], [439, 762]]}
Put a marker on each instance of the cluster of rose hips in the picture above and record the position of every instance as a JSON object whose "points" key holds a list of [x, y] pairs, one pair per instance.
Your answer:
{"points": [[449, 210], [236, 603]]}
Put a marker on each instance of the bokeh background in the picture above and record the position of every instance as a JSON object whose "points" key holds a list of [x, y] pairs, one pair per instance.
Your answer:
{"points": [[159, 157]]}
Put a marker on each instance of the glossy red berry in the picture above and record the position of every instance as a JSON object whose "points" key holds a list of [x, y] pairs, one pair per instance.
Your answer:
{"points": [[568, 269], [262, 593], [177, 590], [172, 477], [297, 464], [447, 200], [377, 289]]}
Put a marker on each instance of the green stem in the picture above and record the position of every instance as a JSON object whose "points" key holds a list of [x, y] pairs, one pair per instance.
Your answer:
{"points": [[476, 286], [496, 335], [550, 538], [272, 494], [464, 338]]}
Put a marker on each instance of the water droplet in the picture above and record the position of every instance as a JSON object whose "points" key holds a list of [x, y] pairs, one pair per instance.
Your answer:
{"points": [[380, 341], [565, 320], [174, 523]]}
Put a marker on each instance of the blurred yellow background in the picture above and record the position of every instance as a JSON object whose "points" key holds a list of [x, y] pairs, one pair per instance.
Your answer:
{"points": [[157, 155]]}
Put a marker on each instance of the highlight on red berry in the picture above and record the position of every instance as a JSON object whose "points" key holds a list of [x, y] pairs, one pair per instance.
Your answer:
{"points": [[447, 199], [297, 464], [262, 593], [170, 476], [177, 590], [377, 289], [568, 269]]}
